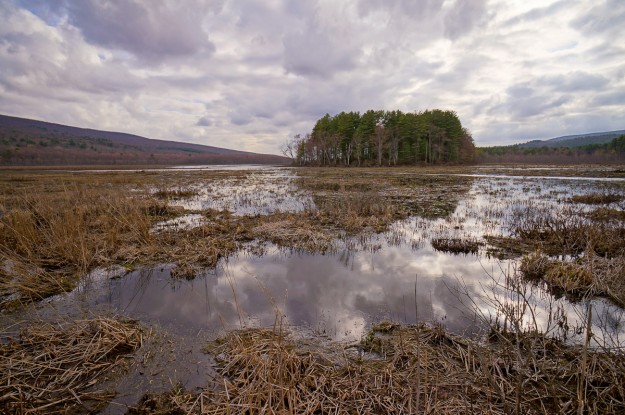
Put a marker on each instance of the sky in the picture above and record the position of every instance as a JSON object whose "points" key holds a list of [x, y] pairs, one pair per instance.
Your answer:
{"points": [[248, 75]]}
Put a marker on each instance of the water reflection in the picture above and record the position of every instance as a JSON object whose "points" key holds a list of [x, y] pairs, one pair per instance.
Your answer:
{"points": [[328, 294], [259, 192], [396, 276]]}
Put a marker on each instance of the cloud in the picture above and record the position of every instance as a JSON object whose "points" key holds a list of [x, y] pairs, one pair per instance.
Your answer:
{"points": [[607, 17], [463, 16], [152, 30], [319, 50], [574, 82], [399, 9], [540, 12], [609, 99], [246, 74], [204, 122]]}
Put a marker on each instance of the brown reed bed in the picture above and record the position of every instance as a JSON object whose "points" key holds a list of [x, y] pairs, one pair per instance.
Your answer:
{"points": [[568, 232], [597, 198], [48, 239], [605, 214], [55, 368], [456, 245], [175, 193], [584, 277], [391, 193], [402, 370]]}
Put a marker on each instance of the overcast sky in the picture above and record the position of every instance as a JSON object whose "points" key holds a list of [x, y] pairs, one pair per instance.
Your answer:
{"points": [[248, 74]]}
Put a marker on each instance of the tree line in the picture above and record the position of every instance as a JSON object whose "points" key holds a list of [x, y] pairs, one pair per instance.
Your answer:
{"points": [[611, 152], [377, 138]]}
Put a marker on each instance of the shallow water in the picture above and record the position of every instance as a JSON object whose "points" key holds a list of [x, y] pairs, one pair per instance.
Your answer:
{"points": [[396, 275], [366, 280], [260, 192]]}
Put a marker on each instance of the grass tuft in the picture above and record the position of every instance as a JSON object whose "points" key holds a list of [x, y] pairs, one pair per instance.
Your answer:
{"points": [[53, 368]]}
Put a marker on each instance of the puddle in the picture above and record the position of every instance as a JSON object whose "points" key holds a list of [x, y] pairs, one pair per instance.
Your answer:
{"points": [[257, 193], [180, 223]]}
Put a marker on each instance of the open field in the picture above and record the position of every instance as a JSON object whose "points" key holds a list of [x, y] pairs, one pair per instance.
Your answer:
{"points": [[510, 280]]}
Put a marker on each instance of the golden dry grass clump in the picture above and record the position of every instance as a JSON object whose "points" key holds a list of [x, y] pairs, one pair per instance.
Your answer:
{"points": [[54, 368], [50, 238], [418, 369], [583, 277]]}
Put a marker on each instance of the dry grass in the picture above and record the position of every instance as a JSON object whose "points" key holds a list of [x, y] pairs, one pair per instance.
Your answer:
{"points": [[48, 239], [175, 193], [418, 369], [597, 198], [296, 232], [584, 277], [566, 232], [53, 368], [392, 193], [55, 227], [456, 246], [605, 214]]}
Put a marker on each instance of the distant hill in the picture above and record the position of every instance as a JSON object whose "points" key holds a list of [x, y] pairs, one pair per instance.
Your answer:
{"points": [[608, 147], [578, 140], [25, 142]]}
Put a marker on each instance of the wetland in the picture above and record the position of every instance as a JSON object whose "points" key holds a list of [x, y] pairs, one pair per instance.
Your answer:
{"points": [[492, 289]]}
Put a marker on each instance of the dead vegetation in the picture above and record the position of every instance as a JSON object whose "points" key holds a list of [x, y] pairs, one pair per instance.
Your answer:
{"points": [[564, 232], [605, 214], [584, 277], [573, 252], [175, 193], [55, 368], [386, 194], [48, 239], [55, 227], [296, 232], [597, 198], [456, 245], [416, 369]]}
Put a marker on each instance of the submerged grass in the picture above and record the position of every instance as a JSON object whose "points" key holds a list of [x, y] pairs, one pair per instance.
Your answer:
{"points": [[55, 368], [416, 369]]}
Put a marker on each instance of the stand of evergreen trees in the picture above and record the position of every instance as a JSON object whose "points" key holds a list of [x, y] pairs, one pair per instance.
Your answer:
{"points": [[377, 138]]}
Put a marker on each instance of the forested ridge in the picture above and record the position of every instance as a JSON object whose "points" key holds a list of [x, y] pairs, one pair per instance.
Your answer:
{"points": [[611, 152], [25, 142], [377, 138]]}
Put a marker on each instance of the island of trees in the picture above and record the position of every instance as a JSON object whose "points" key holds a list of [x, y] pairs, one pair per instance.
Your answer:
{"points": [[377, 138]]}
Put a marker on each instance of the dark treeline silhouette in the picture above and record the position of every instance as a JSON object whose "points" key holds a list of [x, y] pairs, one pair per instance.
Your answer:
{"points": [[377, 138], [611, 152]]}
